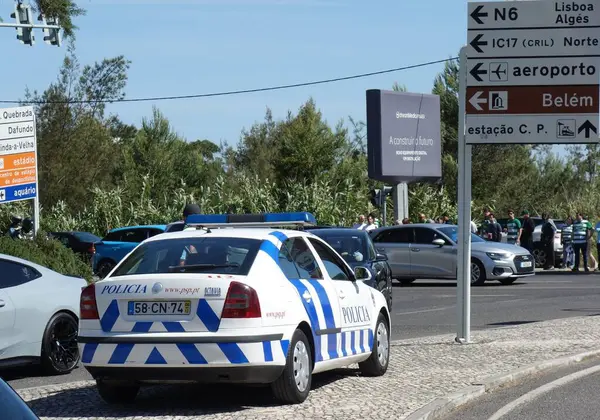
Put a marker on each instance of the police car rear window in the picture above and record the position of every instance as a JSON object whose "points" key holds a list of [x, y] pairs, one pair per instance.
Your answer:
{"points": [[232, 256]]}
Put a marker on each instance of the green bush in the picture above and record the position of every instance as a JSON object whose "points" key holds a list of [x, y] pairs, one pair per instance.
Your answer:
{"points": [[46, 252]]}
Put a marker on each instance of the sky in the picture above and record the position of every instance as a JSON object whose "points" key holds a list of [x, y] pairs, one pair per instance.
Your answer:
{"points": [[183, 47]]}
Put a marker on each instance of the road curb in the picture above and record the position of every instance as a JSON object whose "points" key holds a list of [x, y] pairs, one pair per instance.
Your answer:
{"points": [[440, 407]]}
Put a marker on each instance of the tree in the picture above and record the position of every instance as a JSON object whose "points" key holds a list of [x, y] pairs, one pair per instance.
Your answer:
{"points": [[75, 147]]}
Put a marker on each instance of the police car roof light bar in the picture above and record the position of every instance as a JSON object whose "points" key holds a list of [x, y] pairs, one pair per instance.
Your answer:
{"points": [[251, 220]]}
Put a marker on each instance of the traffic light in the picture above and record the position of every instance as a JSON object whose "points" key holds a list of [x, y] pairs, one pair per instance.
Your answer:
{"points": [[22, 14], [51, 35], [385, 192], [375, 197]]}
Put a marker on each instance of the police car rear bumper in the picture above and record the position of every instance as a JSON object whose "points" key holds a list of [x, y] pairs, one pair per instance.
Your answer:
{"points": [[234, 374]]}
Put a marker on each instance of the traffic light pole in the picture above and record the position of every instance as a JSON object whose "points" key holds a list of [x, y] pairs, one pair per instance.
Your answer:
{"points": [[27, 26]]}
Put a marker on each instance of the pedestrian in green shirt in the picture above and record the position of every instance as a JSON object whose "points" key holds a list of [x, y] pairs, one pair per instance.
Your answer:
{"points": [[513, 229]]}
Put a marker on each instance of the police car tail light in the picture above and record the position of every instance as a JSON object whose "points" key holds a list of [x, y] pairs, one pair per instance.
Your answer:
{"points": [[241, 302], [88, 309]]}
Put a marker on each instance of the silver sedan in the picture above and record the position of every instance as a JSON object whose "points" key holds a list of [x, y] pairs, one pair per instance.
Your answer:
{"points": [[429, 251]]}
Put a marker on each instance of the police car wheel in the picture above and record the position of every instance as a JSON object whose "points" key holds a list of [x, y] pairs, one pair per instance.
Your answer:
{"points": [[115, 393], [377, 363], [293, 385]]}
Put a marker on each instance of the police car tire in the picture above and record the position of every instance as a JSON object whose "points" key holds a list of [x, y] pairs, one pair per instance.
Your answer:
{"points": [[285, 388], [372, 366], [115, 393]]}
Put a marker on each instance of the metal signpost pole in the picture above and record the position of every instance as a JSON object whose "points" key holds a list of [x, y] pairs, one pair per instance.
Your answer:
{"points": [[464, 213]]}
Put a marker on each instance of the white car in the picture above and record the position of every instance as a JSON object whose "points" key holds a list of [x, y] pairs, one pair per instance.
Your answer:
{"points": [[39, 311], [244, 305]]}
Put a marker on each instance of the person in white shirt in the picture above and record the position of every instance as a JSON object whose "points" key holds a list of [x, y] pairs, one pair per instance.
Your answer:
{"points": [[361, 223], [370, 223], [473, 227]]}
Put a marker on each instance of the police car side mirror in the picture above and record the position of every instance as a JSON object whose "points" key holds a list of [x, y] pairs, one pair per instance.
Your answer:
{"points": [[362, 274]]}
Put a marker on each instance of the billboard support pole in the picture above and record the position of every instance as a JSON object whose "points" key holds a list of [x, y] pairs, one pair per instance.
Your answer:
{"points": [[463, 289], [401, 201]]}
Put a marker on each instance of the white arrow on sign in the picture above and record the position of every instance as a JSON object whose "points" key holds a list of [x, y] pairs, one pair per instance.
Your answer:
{"points": [[476, 100], [2, 195]]}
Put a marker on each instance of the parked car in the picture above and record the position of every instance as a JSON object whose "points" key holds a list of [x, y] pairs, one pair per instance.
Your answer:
{"points": [[355, 246], [34, 328], [118, 243], [539, 252], [13, 406], [429, 251], [81, 243]]}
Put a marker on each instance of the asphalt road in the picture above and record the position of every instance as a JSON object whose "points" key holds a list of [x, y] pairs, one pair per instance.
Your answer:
{"points": [[429, 308], [569, 393]]}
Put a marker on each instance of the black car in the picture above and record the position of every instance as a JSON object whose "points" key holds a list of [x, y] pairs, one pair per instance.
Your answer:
{"points": [[81, 243], [356, 247]]}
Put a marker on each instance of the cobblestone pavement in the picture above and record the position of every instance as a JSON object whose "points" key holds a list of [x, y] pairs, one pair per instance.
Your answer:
{"points": [[420, 370]]}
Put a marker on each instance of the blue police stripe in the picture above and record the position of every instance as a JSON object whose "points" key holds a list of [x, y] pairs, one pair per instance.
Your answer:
{"points": [[191, 354], [344, 353], [325, 305], [362, 342], [110, 316], [371, 339], [142, 327], [155, 358], [233, 353], [268, 351], [285, 345], [173, 327], [279, 235], [207, 315], [120, 354], [352, 342], [311, 310], [89, 349]]}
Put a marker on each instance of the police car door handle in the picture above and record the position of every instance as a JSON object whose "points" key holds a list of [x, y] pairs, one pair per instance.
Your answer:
{"points": [[415, 249], [2, 304]]}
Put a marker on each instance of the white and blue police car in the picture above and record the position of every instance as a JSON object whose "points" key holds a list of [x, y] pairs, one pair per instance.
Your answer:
{"points": [[253, 305]]}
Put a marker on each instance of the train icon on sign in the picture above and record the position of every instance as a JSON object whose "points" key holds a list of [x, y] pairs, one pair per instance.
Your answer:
{"points": [[565, 129]]}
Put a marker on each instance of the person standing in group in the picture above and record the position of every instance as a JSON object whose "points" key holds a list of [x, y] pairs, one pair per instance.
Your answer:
{"points": [[581, 234], [370, 223], [361, 223], [547, 239], [473, 227], [495, 228], [406, 221], [527, 232], [567, 243], [513, 229]]}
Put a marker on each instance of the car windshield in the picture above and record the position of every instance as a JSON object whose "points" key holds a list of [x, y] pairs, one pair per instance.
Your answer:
{"points": [[86, 237], [353, 247], [218, 255], [452, 233]]}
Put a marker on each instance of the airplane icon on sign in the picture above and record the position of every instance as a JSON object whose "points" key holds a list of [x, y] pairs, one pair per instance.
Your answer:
{"points": [[500, 70]]}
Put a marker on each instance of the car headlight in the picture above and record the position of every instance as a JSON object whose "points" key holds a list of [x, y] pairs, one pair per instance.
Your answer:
{"points": [[500, 255]]}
